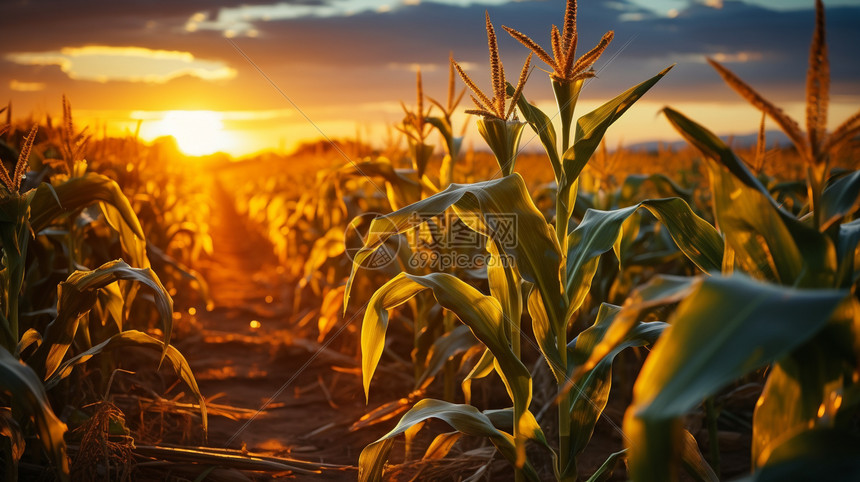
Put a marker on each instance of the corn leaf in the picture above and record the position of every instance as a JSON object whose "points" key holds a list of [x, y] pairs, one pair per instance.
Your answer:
{"points": [[769, 243], [134, 338], [714, 148], [50, 202], [591, 393], [846, 245], [481, 369], [501, 209], [506, 286], [441, 445], [693, 461], [590, 130], [546, 335], [806, 381], [793, 393], [132, 244], [604, 472], [464, 418], [707, 347], [600, 231], [13, 449], [663, 184], [481, 313], [840, 198], [77, 296], [660, 290], [402, 186], [28, 396], [820, 454], [541, 124], [447, 346]]}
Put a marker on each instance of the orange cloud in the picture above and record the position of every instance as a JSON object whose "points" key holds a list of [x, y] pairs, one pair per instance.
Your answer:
{"points": [[131, 64], [20, 86]]}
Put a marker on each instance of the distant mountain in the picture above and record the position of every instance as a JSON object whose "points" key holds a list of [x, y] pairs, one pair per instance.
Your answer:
{"points": [[740, 141]]}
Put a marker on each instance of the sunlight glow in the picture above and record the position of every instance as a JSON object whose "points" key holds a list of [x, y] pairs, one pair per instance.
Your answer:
{"points": [[197, 132]]}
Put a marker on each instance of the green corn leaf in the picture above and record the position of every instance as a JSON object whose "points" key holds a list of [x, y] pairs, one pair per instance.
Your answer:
{"points": [[481, 313], [29, 338], [801, 387], [465, 419], [132, 245], [501, 209], [840, 198], [481, 369], [28, 396], [812, 455], [546, 335], [503, 137], [541, 124], [660, 290], [791, 397], [714, 148], [600, 231], [506, 285], [14, 237], [441, 445], [693, 461], [447, 346], [47, 202], [590, 130], [134, 338], [402, 186], [590, 395], [848, 238], [768, 242], [664, 185], [443, 126], [604, 472], [707, 347]]}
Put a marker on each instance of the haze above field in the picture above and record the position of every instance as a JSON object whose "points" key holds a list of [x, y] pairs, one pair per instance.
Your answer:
{"points": [[270, 75]]}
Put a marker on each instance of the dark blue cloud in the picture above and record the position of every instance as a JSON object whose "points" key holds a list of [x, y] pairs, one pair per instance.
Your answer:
{"points": [[347, 59]]}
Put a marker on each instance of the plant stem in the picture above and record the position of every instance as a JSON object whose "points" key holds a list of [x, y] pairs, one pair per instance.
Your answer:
{"points": [[816, 175], [519, 441], [563, 414], [15, 237], [450, 372], [713, 435]]}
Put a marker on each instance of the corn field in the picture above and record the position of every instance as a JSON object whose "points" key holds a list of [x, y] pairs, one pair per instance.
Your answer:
{"points": [[432, 310]]}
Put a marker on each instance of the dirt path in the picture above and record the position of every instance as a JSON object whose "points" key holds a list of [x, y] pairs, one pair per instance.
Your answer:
{"points": [[311, 396]]}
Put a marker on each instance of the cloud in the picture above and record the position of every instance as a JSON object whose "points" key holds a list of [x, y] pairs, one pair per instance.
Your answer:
{"points": [[130, 64], [241, 20], [20, 86], [329, 65]]}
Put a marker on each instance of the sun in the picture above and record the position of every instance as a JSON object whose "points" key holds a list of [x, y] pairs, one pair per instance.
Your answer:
{"points": [[197, 132]]}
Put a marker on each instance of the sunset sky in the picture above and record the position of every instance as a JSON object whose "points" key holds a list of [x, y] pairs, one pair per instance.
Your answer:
{"points": [[348, 63]]}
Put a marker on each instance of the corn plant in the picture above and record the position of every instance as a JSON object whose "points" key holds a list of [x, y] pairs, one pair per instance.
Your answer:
{"points": [[32, 361], [551, 277], [444, 125], [800, 317]]}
